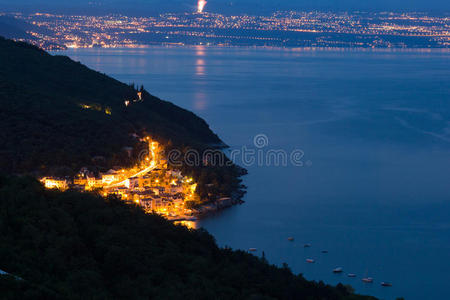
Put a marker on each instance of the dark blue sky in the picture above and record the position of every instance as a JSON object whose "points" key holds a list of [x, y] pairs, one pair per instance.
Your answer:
{"points": [[226, 6]]}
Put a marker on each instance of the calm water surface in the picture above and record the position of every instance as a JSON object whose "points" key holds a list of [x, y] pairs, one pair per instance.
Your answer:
{"points": [[375, 129]]}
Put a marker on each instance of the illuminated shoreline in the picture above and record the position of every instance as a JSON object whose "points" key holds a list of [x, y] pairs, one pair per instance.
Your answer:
{"points": [[281, 29], [290, 49]]}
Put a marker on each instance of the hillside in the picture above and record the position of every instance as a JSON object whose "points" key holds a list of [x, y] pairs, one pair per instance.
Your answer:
{"points": [[70, 245], [44, 93], [58, 116]]}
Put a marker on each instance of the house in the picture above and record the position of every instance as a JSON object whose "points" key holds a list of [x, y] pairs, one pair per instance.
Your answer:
{"points": [[93, 182], [132, 183], [176, 189], [109, 177], [55, 183], [174, 173], [147, 203], [80, 181]]}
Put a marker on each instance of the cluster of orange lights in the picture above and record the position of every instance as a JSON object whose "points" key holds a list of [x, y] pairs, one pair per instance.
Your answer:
{"points": [[149, 182]]}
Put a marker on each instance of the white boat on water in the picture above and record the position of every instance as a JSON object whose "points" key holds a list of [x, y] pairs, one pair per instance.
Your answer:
{"points": [[351, 275], [307, 245], [367, 279], [383, 283], [310, 260], [337, 270]]}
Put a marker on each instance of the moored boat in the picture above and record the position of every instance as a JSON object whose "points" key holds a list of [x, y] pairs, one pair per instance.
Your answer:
{"points": [[351, 275], [252, 249], [337, 270], [310, 260], [383, 283], [291, 239], [367, 279]]}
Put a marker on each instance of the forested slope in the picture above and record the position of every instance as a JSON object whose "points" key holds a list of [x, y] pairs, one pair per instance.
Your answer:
{"points": [[57, 116], [70, 245]]}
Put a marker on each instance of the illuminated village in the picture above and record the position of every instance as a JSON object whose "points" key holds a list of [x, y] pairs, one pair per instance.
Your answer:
{"points": [[151, 185]]}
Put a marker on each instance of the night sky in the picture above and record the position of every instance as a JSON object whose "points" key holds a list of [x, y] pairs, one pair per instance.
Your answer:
{"points": [[223, 6]]}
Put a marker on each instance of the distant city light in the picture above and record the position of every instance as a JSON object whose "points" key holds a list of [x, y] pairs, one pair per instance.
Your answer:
{"points": [[355, 30], [201, 5]]}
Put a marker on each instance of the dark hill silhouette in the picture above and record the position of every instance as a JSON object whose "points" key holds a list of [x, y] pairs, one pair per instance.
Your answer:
{"points": [[58, 116], [80, 246]]}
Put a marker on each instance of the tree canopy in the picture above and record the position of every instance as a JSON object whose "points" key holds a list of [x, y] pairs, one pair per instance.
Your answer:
{"points": [[71, 245], [57, 116]]}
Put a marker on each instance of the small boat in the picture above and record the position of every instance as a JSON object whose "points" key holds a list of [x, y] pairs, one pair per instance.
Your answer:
{"points": [[367, 279], [324, 251], [337, 270], [307, 245], [252, 249], [351, 275], [386, 283], [310, 260], [291, 239]]}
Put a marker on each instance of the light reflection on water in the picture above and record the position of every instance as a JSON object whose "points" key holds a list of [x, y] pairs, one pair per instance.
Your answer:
{"points": [[200, 69], [200, 96]]}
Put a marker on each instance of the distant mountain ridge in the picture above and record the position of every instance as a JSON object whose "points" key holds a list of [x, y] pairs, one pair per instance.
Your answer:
{"points": [[13, 29]]}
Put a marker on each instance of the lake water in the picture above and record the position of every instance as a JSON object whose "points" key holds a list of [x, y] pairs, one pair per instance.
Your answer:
{"points": [[374, 127]]}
